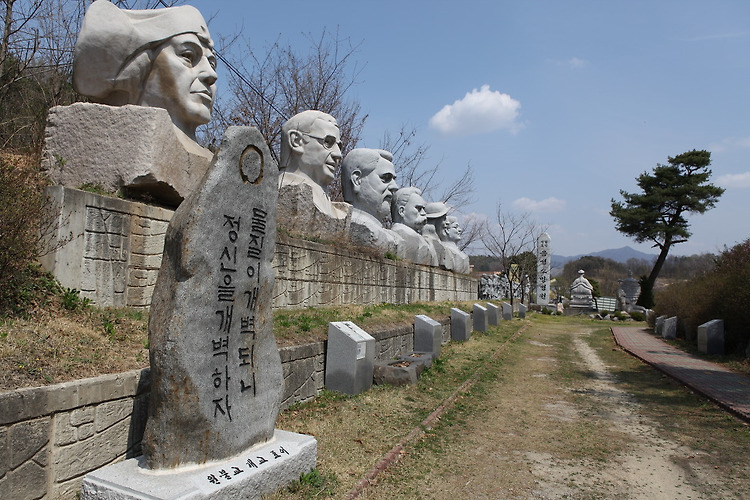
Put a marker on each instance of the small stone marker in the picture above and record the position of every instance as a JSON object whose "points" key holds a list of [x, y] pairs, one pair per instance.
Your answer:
{"points": [[480, 318], [659, 325], [216, 376], [350, 358], [493, 314], [711, 337], [669, 330], [460, 325], [522, 311], [428, 335], [507, 311]]}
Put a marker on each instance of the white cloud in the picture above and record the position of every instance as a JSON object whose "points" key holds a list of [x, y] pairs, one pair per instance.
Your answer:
{"points": [[730, 143], [734, 180], [547, 205], [575, 63], [480, 111]]}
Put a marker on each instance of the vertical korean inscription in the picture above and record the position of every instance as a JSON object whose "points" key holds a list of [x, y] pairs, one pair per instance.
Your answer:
{"points": [[543, 269]]}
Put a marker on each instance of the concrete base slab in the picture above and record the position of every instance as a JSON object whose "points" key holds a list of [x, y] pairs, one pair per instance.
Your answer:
{"points": [[259, 470]]}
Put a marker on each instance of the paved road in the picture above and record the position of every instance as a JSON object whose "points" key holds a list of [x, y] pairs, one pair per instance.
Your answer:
{"points": [[729, 389]]}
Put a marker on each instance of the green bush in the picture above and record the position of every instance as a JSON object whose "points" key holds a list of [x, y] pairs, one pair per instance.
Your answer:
{"points": [[722, 293], [24, 224]]}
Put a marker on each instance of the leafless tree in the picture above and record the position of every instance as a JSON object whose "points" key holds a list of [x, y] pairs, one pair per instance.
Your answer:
{"points": [[410, 158], [270, 85], [510, 239], [36, 60]]}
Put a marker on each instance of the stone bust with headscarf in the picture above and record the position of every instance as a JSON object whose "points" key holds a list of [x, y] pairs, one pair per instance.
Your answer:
{"points": [[152, 79], [155, 58]]}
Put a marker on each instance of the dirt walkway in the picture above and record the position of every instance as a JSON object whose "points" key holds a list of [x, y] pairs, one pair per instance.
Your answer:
{"points": [[556, 424]]}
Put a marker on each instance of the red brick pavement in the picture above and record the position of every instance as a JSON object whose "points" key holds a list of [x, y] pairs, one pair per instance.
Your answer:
{"points": [[729, 389]]}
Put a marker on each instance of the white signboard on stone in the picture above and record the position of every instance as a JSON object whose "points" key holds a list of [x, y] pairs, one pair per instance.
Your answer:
{"points": [[350, 358]]}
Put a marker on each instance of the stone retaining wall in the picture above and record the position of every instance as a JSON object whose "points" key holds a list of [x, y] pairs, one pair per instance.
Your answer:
{"points": [[115, 252], [50, 437]]}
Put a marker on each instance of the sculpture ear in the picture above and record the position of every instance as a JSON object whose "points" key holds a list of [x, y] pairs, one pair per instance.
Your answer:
{"points": [[356, 178], [401, 210], [295, 141]]}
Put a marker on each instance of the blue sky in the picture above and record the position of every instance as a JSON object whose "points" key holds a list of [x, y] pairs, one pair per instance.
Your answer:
{"points": [[556, 105]]}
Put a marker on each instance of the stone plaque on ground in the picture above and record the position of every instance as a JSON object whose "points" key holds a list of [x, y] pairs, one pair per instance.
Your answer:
{"points": [[460, 325], [493, 314], [522, 311], [507, 311], [428, 335], [350, 358], [669, 330], [216, 377], [711, 337], [480, 318]]}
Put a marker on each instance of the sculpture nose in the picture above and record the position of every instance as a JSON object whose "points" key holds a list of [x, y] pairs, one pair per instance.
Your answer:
{"points": [[207, 72]]}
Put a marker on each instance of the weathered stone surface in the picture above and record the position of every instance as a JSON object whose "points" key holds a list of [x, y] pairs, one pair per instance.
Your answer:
{"points": [[480, 318], [27, 481], [493, 314], [522, 311], [507, 311], [84, 456], [65, 433], [349, 358], [397, 373], [460, 325], [216, 376], [111, 412], [428, 335], [130, 147], [543, 267], [249, 475], [4, 452], [669, 331], [711, 337], [659, 325], [298, 214], [25, 439]]}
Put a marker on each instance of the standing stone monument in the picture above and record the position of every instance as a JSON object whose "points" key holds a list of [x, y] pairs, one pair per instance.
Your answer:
{"points": [[216, 377], [669, 330], [628, 293], [428, 335], [659, 325], [350, 358], [493, 314], [480, 318], [460, 325], [522, 311], [543, 266], [711, 337], [507, 311], [581, 293]]}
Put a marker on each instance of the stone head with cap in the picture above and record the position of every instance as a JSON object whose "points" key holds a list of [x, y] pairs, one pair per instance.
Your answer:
{"points": [[437, 212], [311, 146], [368, 181], [156, 58], [453, 228]]}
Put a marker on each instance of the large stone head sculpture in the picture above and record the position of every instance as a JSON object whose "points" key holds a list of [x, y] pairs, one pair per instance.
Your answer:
{"points": [[408, 208], [436, 214], [156, 58], [311, 146], [452, 228], [368, 181]]}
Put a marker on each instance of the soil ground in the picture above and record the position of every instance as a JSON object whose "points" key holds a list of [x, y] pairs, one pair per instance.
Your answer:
{"points": [[562, 413]]}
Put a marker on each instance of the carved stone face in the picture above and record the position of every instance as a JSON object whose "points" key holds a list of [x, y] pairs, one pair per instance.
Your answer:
{"points": [[320, 150], [376, 190], [413, 213], [453, 229], [182, 81]]}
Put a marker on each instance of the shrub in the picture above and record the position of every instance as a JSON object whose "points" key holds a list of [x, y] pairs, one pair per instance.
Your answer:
{"points": [[722, 293]]}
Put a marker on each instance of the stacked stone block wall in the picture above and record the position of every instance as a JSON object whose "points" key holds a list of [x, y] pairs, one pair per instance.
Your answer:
{"points": [[115, 253], [50, 437]]}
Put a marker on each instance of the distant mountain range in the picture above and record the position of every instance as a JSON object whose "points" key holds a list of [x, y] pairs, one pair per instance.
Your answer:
{"points": [[621, 255]]}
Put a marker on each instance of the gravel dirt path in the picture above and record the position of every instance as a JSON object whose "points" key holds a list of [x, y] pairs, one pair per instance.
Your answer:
{"points": [[555, 424]]}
